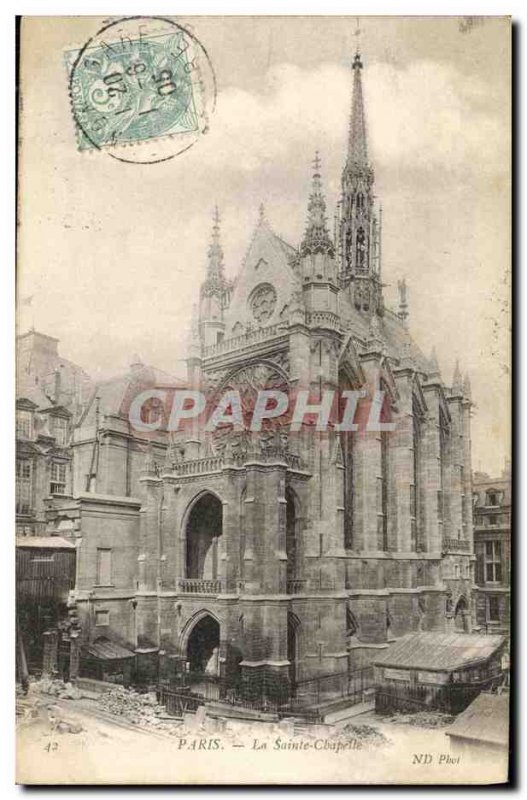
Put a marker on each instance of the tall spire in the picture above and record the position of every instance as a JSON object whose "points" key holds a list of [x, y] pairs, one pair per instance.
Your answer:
{"points": [[316, 237], [357, 143], [215, 253], [358, 232]]}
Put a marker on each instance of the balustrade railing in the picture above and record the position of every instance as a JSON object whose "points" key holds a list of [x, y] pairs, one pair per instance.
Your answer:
{"points": [[323, 318], [199, 466], [200, 586], [243, 340]]}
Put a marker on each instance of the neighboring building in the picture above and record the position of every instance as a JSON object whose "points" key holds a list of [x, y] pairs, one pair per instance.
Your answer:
{"points": [[43, 466], [277, 559], [102, 515], [44, 373], [482, 730], [443, 671], [50, 393], [492, 545], [50, 396]]}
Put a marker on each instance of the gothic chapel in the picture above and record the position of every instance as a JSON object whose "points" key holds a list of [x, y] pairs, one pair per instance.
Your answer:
{"points": [[276, 558]]}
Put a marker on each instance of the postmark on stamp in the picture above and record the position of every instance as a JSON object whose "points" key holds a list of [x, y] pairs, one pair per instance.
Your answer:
{"points": [[142, 90]]}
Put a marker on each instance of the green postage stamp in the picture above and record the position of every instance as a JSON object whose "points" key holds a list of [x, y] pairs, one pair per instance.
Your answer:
{"points": [[137, 81]]}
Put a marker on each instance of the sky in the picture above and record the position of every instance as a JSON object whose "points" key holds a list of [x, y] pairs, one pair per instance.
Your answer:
{"points": [[113, 254]]}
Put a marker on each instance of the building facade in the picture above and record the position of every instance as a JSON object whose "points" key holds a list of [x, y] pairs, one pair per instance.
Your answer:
{"points": [[51, 392], [276, 557], [492, 546]]}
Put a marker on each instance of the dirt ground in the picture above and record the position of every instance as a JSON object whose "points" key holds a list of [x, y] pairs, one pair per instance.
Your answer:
{"points": [[75, 741]]}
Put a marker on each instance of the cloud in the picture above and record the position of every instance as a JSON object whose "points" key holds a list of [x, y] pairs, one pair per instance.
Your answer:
{"points": [[115, 254], [425, 115]]}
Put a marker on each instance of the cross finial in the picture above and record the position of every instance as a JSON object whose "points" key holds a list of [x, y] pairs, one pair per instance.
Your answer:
{"points": [[316, 163], [216, 216], [357, 33], [261, 213]]}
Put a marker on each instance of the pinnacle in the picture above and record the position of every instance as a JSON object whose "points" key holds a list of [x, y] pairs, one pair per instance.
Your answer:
{"points": [[457, 381], [316, 237], [434, 364]]}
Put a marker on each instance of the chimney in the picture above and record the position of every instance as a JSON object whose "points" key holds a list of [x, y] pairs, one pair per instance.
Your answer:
{"points": [[56, 392]]}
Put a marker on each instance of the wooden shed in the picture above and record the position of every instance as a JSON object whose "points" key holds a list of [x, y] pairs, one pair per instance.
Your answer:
{"points": [[45, 574], [443, 671]]}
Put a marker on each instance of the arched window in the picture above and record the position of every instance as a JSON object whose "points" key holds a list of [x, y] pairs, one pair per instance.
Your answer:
{"points": [[415, 510], [346, 442], [352, 628], [348, 248], [204, 527], [383, 520], [443, 465], [242, 533], [360, 202], [384, 474], [291, 536], [347, 455], [360, 253]]}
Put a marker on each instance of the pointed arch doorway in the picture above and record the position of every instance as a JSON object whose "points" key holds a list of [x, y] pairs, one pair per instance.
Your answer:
{"points": [[293, 625], [461, 616], [203, 646]]}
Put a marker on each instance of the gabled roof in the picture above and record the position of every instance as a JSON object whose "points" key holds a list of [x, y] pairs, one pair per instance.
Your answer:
{"points": [[439, 651], [268, 260], [485, 720], [25, 404]]}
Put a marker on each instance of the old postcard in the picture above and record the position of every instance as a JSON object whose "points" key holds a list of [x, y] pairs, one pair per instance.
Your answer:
{"points": [[263, 483]]}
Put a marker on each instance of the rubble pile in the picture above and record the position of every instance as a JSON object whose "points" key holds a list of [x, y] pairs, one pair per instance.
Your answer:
{"points": [[422, 719], [56, 688], [63, 726], [366, 735], [138, 709]]}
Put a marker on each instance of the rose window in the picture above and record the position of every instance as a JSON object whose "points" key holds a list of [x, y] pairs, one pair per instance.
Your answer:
{"points": [[262, 302]]}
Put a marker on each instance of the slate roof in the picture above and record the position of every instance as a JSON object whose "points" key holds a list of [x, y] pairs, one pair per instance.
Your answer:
{"points": [[106, 650], [439, 651], [485, 720], [113, 392], [392, 331]]}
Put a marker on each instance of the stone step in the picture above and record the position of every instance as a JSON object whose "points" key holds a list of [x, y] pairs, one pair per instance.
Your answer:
{"points": [[218, 709], [344, 714]]}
